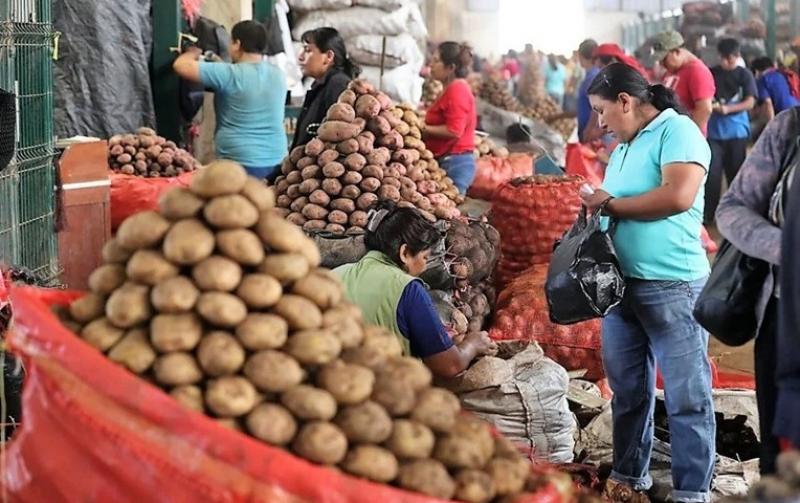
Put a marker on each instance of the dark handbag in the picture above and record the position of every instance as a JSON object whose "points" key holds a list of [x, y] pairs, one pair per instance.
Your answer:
{"points": [[584, 280]]}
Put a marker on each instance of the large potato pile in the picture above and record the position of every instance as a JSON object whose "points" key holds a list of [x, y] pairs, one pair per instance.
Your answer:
{"points": [[484, 146], [149, 155], [531, 82], [219, 300], [364, 152]]}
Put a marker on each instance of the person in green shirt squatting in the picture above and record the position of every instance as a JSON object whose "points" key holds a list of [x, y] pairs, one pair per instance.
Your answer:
{"points": [[249, 97], [385, 286]]}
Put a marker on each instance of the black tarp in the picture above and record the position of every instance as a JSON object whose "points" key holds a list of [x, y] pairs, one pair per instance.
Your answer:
{"points": [[102, 77]]}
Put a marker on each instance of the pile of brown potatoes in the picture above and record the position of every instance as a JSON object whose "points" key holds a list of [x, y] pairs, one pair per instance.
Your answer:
{"points": [[220, 301], [432, 89], [364, 152], [149, 155], [485, 146]]}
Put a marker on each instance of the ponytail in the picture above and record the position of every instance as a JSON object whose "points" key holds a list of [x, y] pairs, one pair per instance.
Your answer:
{"points": [[459, 56], [328, 39], [662, 97], [619, 78]]}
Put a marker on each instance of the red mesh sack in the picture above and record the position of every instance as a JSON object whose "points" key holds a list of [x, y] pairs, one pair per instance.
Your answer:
{"points": [[531, 213], [92, 431], [582, 161], [522, 313], [491, 172], [131, 194]]}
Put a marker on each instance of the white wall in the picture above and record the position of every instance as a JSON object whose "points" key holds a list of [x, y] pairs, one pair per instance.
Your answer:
{"points": [[606, 27]]}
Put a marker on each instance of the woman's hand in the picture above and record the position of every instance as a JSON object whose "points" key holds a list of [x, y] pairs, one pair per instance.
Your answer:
{"points": [[594, 200]]}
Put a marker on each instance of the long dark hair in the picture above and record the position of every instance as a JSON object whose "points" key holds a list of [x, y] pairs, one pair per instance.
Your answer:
{"points": [[459, 56], [619, 78], [399, 226], [328, 39]]}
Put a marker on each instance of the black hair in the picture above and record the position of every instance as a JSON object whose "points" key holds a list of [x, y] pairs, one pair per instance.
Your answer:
{"points": [[328, 39], [518, 133], [401, 226], [619, 78], [728, 47], [587, 48], [459, 56], [761, 64], [553, 60], [606, 60], [251, 35]]}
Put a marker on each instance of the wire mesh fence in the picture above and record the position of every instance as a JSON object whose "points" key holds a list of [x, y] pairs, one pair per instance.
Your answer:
{"points": [[26, 11]]}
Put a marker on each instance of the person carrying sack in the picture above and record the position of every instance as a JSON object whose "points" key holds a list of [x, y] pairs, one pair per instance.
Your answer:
{"points": [[653, 189]]}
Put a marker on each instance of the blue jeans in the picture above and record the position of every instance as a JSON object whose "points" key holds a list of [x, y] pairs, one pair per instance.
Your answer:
{"points": [[262, 173], [460, 168], [653, 323]]}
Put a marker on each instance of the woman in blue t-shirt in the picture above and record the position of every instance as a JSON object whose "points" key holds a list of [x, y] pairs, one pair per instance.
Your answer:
{"points": [[249, 98], [653, 190]]}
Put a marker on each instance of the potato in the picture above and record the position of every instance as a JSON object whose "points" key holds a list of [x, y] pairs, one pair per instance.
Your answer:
{"points": [[411, 440], [352, 178], [309, 186], [113, 253], [217, 273], [149, 267], [320, 442], [220, 354], [273, 371], [367, 422], [188, 242], [128, 306], [336, 131], [259, 291], [366, 201], [284, 237], [174, 295], [361, 86], [396, 395], [133, 351], [410, 369], [333, 169], [259, 194], [351, 192], [282, 212], [348, 383], [271, 423], [299, 312], [371, 462], [349, 332], [370, 184], [348, 97], [379, 156], [292, 192], [284, 201], [107, 278], [305, 161], [297, 219], [338, 217], [319, 197], [190, 396], [427, 476], [314, 225], [219, 178], [335, 229], [313, 346], [365, 142], [175, 332], [474, 486], [382, 341], [347, 147], [177, 369], [285, 267], [327, 156], [87, 308], [372, 171], [367, 106], [309, 403], [231, 396], [312, 171], [332, 186], [179, 203], [322, 290], [101, 334], [241, 245], [262, 331], [314, 212], [294, 177], [221, 309], [230, 212], [508, 475], [355, 162], [315, 147], [436, 408], [296, 154]]}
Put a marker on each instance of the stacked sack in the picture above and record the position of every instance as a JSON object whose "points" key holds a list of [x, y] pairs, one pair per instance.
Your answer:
{"points": [[364, 152], [148, 155], [219, 301], [531, 214], [364, 24], [523, 314]]}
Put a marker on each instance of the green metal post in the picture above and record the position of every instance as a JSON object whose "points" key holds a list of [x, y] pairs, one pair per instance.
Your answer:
{"points": [[262, 9], [167, 24], [771, 28]]}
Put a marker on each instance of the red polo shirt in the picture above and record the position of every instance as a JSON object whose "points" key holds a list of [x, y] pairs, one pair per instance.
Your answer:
{"points": [[691, 83], [455, 108]]}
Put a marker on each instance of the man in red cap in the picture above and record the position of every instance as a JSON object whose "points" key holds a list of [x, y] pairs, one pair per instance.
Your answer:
{"points": [[605, 54]]}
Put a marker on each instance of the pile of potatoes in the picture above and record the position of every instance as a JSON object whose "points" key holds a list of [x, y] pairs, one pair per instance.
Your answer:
{"points": [[220, 301], [497, 93], [531, 87], [484, 146], [364, 152], [432, 89], [149, 155]]}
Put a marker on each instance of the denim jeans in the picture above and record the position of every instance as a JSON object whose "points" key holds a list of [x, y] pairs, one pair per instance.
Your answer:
{"points": [[654, 323], [460, 168], [263, 172]]}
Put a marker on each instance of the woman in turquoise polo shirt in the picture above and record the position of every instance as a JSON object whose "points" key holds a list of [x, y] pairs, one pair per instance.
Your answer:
{"points": [[653, 189], [385, 286]]}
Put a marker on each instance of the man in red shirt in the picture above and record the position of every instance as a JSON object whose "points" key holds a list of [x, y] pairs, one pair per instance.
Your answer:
{"points": [[688, 76]]}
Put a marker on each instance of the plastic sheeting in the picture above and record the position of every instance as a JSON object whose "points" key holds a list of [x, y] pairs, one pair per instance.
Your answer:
{"points": [[131, 194], [103, 67]]}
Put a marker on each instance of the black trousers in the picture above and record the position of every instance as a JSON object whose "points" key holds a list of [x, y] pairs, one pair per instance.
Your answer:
{"points": [[766, 353], [727, 157]]}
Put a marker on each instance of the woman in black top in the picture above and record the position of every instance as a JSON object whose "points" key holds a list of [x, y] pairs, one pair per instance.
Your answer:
{"points": [[324, 58]]}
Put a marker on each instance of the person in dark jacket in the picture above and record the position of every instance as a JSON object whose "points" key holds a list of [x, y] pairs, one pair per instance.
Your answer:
{"points": [[324, 59]]}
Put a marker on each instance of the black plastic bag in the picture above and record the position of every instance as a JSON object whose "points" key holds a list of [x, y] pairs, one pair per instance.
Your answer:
{"points": [[437, 273], [584, 280], [727, 305]]}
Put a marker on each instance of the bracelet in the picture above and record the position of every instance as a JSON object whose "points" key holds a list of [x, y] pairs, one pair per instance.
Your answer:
{"points": [[604, 204]]}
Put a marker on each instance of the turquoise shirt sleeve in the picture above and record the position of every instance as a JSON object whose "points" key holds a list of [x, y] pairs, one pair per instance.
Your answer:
{"points": [[679, 144], [216, 76]]}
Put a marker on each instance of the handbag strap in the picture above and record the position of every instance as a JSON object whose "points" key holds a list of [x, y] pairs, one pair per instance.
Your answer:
{"points": [[779, 199]]}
